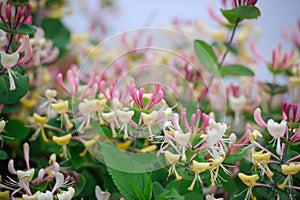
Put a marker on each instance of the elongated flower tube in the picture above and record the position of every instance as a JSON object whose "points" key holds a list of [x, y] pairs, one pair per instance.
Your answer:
{"points": [[214, 169], [289, 170], [149, 120], [62, 108], [250, 182], [125, 117], [100, 195], [173, 160], [261, 159], [8, 61], [183, 140], [197, 168], [41, 121], [63, 141], [277, 131]]}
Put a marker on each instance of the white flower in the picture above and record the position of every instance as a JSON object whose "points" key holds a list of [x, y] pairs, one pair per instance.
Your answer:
{"points": [[66, 195], [8, 61], [275, 129], [100, 195], [125, 117], [215, 132], [237, 103], [45, 196]]}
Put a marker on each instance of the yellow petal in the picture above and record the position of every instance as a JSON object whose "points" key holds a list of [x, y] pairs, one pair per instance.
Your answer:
{"points": [[62, 140], [199, 167], [290, 169], [39, 119], [248, 180], [61, 107]]}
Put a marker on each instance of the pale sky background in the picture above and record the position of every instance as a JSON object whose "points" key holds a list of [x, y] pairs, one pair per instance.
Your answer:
{"points": [[275, 16]]}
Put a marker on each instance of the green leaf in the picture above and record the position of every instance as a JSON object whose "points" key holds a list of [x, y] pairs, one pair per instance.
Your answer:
{"points": [[15, 130], [148, 189], [22, 86], [235, 157], [170, 194], [125, 182], [57, 32], [81, 184], [3, 154], [116, 161], [243, 12], [157, 189], [25, 29], [236, 70], [206, 56]]}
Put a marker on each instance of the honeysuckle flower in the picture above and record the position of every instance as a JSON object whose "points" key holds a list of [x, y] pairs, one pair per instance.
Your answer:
{"points": [[124, 117], [41, 121], [14, 16], [261, 160], [183, 140], [154, 98], [100, 195], [149, 120], [215, 164], [45, 195], [63, 141], [250, 181], [197, 168], [87, 110], [110, 118], [277, 131], [194, 127], [295, 116], [173, 160], [8, 61], [289, 170], [88, 144], [30, 197], [66, 195], [211, 197], [62, 108], [237, 104]]}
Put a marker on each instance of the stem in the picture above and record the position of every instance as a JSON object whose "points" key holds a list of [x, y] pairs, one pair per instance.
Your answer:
{"points": [[9, 42], [220, 63], [38, 13], [272, 95]]}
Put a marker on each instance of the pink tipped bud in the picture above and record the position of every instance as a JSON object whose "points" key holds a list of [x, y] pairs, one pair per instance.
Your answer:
{"points": [[232, 139], [258, 119], [59, 80], [11, 167], [40, 176], [26, 154]]}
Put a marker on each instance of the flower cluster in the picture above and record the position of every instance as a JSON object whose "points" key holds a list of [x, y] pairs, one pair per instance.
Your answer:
{"points": [[197, 115]]}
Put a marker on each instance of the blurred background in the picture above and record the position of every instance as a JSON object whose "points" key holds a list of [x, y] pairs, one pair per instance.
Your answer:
{"points": [[277, 16]]}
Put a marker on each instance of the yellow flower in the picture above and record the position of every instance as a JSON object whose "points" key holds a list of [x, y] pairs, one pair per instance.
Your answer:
{"points": [[254, 135], [173, 160], [261, 159], [41, 121], [88, 144], [214, 168], [197, 168], [62, 140], [61, 107], [249, 181], [288, 170]]}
